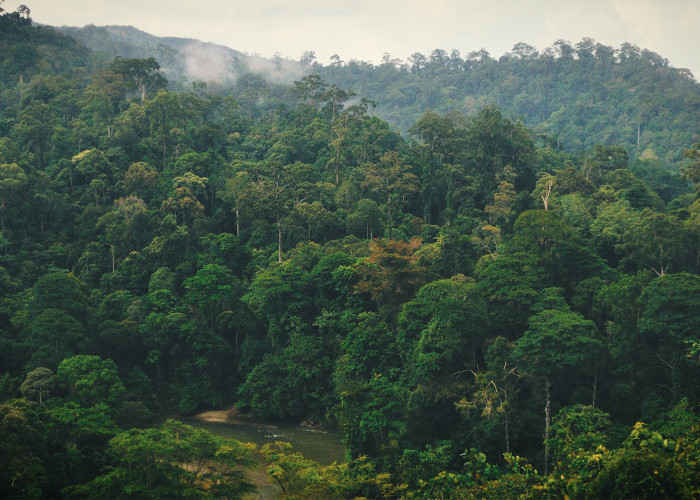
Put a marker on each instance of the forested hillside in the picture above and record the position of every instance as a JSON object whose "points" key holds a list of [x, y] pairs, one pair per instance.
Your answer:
{"points": [[480, 312], [579, 95], [576, 95], [185, 62]]}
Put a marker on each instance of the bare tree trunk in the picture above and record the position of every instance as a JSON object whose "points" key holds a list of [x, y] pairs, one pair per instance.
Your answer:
{"points": [[507, 434], [279, 239], [388, 209], [547, 421], [595, 384], [545, 195], [238, 226], [639, 134], [111, 246], [505, 413]]}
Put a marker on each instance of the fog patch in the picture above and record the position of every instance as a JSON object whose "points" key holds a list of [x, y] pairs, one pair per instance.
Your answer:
{"points": [[221, 65], [210, 63], [275, 70]]}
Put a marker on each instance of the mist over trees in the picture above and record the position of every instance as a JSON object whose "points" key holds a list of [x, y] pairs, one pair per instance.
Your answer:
{"points": [[577, 95], [484, 306]]}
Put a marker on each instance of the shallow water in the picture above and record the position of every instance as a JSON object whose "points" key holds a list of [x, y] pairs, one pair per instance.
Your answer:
{"points": [[322, 446]]}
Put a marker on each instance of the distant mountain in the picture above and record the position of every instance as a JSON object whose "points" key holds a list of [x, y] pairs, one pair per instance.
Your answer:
{"points": [[572, 95], [576, 95], [183, 60]]}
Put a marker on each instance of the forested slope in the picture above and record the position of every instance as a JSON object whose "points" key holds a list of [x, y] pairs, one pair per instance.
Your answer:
{"points": [[580, 95], [577, 95], [183, 60], [479, 312]]}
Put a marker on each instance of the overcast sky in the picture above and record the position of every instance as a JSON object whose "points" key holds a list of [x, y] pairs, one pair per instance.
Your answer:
{"points": [[366, 29]]}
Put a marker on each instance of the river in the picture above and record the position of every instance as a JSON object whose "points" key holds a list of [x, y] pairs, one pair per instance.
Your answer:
{"points": [[322, 446]]}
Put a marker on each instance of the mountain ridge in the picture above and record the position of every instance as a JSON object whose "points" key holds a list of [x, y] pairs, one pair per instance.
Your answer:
{"points": [[579, 95], [183, 60]]}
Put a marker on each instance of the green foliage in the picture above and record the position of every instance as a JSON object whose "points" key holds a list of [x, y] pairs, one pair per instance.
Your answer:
{"points": [[640, 474], [519, 480], [224, 242], [691, 172], [62, 291], [175, 461], [671, 307], [578, 446], [643, 468], [90, 380], [392, 180], [456, 302], [391, 273], [299, 477], [85, 424], [578, 430], [551, 89], [669, 320], [561, 255], [370, 415], [510, 284], [494, 397], [55, 335], [279, 292], [333, 288], [141, 74], [417, 468], [212, 290], [38, 384], [294, 383], [22, 473], [557, 338], [657, 242], [497, 143]]}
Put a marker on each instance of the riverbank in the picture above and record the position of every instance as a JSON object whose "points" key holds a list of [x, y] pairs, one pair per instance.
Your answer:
{"points": [[235, 416], [265, 487], [225, 416], [315, 442]]}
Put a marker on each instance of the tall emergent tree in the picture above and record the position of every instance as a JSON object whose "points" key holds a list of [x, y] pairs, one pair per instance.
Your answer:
{"points": [[557, 339]]}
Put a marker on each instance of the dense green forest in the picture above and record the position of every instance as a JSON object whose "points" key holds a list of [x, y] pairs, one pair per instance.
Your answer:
{"points": [[481, 310], [573, 95], [578, 95]]}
